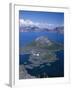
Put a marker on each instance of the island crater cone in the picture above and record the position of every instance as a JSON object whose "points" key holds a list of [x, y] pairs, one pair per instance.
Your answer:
{"points": [[43, 40]]}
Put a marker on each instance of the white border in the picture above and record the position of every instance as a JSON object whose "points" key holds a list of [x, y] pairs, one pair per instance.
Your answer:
{"points": [[15, 46]]}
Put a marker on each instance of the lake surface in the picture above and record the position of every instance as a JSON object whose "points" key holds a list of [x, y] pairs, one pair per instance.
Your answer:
{"points": [[56, 69], [27, 37]]}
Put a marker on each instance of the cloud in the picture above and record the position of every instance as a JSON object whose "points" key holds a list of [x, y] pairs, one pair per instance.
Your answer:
{"points": [[28, 22], [25, 22]]}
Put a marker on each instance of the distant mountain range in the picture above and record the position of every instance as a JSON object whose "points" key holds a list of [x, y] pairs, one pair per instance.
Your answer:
{"points": [[59, 29]]}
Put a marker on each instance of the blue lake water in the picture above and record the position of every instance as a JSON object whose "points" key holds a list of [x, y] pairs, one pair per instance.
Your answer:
{"points": [[57, 68], [27, 37]]}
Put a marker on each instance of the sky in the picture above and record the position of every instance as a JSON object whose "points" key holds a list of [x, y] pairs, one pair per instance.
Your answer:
{"points": [[40, 18]]}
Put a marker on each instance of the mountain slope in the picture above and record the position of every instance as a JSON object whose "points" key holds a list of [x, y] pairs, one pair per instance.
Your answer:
{"points": [[41, 51]]}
